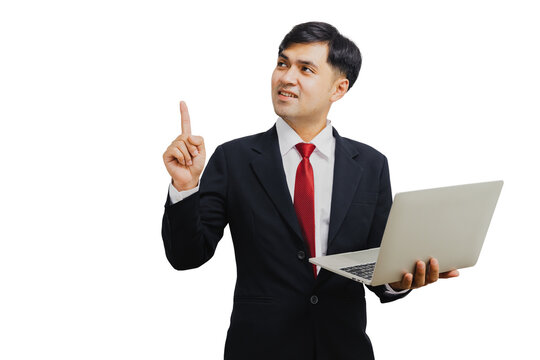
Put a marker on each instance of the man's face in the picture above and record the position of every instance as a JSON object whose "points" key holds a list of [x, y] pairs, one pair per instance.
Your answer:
{"points": [[303, 82]]}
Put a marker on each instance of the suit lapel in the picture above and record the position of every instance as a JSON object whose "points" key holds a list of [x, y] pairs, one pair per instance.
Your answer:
{"points": [[347, 175], [268, 168]]}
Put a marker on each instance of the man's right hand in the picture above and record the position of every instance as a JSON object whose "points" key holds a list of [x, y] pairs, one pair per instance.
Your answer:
{"points": [[185, 157]]}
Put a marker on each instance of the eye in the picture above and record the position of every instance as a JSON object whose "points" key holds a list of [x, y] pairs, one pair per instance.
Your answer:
{"points": [[281, 64], [305, 68]]}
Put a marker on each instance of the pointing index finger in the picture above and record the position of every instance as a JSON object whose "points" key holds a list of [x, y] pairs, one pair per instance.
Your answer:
{"points": [[184, 114]]}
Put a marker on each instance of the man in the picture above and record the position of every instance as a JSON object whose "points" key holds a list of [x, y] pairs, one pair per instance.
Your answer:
{"points": [[295, 191]]}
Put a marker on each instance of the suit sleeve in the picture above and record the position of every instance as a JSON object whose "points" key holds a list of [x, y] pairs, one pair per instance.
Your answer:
{"points": [[176, 196], [192, 228], [382, 211]]}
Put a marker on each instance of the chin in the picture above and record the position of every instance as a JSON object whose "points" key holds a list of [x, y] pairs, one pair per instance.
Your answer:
{"points": [[283, 112]]}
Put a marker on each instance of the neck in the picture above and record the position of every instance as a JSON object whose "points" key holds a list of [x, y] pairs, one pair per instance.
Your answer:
{"points": [[306, 129]]}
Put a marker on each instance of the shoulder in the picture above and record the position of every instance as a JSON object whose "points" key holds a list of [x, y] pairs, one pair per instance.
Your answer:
{"points": [[246, 144], [364, 151], [242, 150], [244, 141], [372, 161]]}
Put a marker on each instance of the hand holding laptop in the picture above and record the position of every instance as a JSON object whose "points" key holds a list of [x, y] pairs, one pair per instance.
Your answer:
{"points": [[428, 231], [422, 277]]}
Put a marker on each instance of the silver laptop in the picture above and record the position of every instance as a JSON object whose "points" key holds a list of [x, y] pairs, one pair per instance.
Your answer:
{"points": [[449, 224]]}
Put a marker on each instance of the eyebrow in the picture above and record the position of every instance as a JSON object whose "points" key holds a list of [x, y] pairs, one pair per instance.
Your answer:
{"points": [[304, 62]]}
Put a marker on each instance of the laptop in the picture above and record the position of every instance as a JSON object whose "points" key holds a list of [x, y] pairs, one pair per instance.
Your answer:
{"points": [[448, 223]]}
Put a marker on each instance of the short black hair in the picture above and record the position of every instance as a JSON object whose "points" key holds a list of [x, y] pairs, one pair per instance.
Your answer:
{"points": [[343, 54]]}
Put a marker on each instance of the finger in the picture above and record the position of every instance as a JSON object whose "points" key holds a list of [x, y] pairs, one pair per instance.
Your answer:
{"points": [[449, 274], [196, 140], [175, 153], [182, 147], [419, 274], [433, 273], [193, 143], [193, 149], [184, 115], [406, 281]]}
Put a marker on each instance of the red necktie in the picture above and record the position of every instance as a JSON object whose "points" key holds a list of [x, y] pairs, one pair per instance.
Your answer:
{"points": [[304, 202]]}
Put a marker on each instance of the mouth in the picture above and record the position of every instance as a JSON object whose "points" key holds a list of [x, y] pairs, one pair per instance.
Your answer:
{"points": [[287, 95]]}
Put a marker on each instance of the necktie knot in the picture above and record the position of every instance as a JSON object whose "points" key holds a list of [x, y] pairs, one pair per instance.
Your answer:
{"points": [[305, 149]]}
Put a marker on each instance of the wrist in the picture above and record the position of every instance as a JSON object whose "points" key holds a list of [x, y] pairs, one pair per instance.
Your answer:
{"points": [[183, 187]]}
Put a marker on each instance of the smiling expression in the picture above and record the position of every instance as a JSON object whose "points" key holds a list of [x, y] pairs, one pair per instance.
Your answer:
{"points": [[304, 84]]}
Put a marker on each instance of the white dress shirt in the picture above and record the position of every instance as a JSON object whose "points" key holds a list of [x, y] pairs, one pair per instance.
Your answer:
{"points": [[322, 162]]}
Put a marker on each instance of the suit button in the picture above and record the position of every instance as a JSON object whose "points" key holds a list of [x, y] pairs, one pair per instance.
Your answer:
{"points": [[301, 255], [314, 299]]}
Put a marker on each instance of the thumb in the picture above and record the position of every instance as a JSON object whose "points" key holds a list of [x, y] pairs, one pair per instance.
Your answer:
{"points": [[196, 140]]}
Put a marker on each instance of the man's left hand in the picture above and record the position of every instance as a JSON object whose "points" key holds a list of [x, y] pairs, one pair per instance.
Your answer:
{"points": [[422, 277]]}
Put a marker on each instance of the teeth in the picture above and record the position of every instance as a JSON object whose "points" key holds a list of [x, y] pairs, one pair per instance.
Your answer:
{"points": [[287, 94]]}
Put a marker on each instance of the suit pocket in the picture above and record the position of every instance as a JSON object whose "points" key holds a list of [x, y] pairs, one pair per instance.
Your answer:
{"points": [[243, 299], [365, 198]]}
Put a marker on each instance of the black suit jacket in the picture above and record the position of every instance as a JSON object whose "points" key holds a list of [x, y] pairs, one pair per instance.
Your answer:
{"points": [[280, 311]]}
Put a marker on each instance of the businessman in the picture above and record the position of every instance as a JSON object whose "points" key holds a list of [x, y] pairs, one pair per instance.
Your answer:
{"points": [[295, 191]]}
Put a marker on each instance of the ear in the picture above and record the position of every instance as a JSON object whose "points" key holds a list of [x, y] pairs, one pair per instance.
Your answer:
{"points": [[340, 87]]}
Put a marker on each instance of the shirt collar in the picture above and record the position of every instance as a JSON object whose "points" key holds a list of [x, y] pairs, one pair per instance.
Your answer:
{"points": [[288, 138]]}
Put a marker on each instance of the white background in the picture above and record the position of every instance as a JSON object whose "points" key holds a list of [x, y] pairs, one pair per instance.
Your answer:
{"points": [[89, 97]]}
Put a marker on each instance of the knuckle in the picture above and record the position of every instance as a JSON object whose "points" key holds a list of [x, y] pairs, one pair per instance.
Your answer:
{"points": [[177, 143], [181, 146], [179, 154]]}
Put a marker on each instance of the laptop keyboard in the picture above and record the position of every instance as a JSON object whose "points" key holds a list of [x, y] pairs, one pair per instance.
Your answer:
{"points": [[364, 271]]}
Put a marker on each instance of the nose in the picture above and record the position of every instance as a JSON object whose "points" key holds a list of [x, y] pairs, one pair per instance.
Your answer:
{"points": [[290, 76]]}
